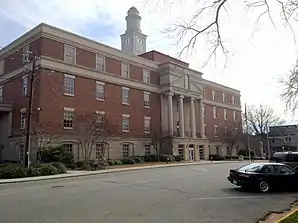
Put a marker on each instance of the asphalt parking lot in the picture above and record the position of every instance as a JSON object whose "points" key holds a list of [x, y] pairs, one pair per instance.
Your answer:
{"points": [[192, 194]]}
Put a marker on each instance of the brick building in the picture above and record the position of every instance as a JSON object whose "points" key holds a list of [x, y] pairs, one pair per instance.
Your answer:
{"points": [[143, 93]]}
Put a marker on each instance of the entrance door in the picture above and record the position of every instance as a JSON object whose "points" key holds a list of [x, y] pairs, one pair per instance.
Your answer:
{"points": [[191, 153]]}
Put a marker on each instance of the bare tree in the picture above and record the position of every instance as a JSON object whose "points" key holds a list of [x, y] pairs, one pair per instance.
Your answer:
{"points": [[290, 88], [43, 133], [259, 118], [207, 18], [231, 134], [91, 129], [157, 141]]}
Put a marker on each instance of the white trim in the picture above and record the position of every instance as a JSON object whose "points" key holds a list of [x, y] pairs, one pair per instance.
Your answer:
{"points": [[126, 115], [147, 118], [23, 110], [69, 109], [221, 105], [100, 83], [146, 92], [100, 112], [69, 76], [125, 88]]}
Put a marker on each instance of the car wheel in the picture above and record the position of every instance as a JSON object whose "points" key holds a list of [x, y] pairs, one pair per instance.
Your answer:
{"points": [[264, 186]]}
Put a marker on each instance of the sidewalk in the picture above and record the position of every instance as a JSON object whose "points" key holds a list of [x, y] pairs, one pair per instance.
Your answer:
{"points": [[79, 173]]}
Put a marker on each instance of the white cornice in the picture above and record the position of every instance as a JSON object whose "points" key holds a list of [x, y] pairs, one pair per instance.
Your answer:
{"points": [[221, 105], [220, 87]]}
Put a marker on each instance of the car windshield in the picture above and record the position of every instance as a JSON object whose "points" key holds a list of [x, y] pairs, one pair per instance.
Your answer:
{"points": [[254, 167]]}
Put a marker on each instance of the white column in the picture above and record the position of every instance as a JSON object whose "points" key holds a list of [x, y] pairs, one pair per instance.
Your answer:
{"points": [[192, 118], [170, 109], [181, 118], [202, 119]]}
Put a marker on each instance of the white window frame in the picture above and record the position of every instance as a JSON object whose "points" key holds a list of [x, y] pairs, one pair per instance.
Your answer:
{"points": [[100, 63], [234, 116], [70, 54], [68, 115], [1, 92], [214, 112], [125, 70], [100, 91], [25, 84], [186, 81], [26, 54], [213, 95], [125, 150], [233, 100], [23, 118], [67, 88], [69, 147], [146, 102], [125, 122], [100, 116], [215, 130], [146, 76], [125, 98], [223, 97], [147, 149], [225, 114], [147, 129], [1, 67]]}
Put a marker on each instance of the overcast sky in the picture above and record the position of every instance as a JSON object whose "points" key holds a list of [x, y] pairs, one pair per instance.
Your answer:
{"points": [[255, 64]]}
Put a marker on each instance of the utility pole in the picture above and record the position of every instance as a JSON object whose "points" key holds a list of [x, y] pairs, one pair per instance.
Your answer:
{"points": [[268, 142], [29, 111], [248, 140]]}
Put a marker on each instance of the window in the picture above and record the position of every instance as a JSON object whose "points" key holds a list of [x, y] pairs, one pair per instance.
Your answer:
{"points": [[254, 167], [125, 150], [147, 150], [25, 85], [216, 130], [68, 147], [225, 114], [1, 67], [146, 99], [20, 149], [68, 118], [125, 95], [126, 41], [147, 124], [223, 97], [204, 109], [283, 169], [100, 117], [125, 70], [268, 169], [100, 63], [228, 151], [186, 81], [23, 118], [1, 93], [146, 76], [205, 129], [214, 112], [99, 150], [234, 116], [213, 95], [226, 130], [100, 90], [69, 85], [69, 54], [125, 122], [177, 104], [233, 100], [217, 150], [26, 53]]}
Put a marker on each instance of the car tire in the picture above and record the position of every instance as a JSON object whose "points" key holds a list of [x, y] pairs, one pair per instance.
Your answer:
{"points": [[264, 186]]}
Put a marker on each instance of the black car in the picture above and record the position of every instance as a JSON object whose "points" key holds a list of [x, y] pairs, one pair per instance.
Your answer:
{"points": [[264, 176]]}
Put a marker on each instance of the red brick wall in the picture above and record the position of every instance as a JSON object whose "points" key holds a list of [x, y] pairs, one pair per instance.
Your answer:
{"points": [[53, 100], [162, 58]]}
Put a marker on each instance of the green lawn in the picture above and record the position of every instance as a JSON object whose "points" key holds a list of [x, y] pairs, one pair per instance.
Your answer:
{"points": [[291, 219]]}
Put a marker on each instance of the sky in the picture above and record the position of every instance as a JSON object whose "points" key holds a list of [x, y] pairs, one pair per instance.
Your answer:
{"points": [[259, 53]]}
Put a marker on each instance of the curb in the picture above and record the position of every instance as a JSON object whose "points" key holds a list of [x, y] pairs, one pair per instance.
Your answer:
{"points": [[63, 176], [287, 215]]}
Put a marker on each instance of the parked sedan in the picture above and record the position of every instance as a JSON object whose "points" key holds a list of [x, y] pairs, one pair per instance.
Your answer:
{"points": [[265, 176]]}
